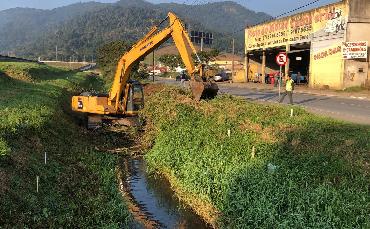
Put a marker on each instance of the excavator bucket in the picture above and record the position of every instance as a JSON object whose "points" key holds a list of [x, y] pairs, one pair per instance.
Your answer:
{"points": [[203, 90]]}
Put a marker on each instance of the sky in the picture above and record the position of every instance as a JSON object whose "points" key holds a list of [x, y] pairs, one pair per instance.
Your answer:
{"points": [[272, 7]]}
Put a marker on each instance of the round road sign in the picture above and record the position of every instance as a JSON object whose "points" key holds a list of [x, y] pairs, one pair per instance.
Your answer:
{"points": [[281, 59]]}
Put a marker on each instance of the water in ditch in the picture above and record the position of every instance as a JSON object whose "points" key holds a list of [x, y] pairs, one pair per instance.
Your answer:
{"points": [[152, 201]]}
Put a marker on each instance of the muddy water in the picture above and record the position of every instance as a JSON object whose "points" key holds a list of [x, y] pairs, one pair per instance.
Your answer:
{"points": [[153, 202]]}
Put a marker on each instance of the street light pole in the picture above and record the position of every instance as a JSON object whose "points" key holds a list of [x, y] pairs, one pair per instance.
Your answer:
{"points": [[232, 65], [201, 43], [153, 66]]}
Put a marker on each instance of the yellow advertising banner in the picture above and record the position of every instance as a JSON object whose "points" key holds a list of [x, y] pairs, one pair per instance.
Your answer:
{"points": [[299, 28], [327, 66]]}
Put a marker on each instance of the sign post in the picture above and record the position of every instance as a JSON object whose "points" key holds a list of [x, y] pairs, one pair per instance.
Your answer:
{"points": [[281, 60], [280, 80]]}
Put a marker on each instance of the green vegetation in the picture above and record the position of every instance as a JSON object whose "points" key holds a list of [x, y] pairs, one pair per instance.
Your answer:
{"points": [[308, 171], [31, 72], [77, 187], [108, 58], [172, 61], [109, 55]]}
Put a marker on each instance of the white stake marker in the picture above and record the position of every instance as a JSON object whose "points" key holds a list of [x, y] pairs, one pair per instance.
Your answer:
{"points": [[253, 155], [37, 183]]}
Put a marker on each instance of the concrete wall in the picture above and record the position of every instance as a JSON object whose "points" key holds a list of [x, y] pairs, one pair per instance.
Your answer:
{"points": [[359, 10], [356, 72]]}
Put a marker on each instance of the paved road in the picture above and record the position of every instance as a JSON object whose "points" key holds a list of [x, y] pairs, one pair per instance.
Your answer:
{"points": [[348, 109]]}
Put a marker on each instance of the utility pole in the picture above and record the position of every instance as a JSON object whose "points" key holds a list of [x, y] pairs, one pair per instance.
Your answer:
{"points": [[153, 66], [201, 43], [232, 65]]}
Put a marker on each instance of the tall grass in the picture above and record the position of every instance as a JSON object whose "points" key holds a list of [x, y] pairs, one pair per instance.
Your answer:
{"points": [[308, 171], [77, 188]]}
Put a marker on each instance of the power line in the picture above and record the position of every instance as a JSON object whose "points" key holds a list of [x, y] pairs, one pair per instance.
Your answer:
{"points": [[280, 15], [276, 17]]}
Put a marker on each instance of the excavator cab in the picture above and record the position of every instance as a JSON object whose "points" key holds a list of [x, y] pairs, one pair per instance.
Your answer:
{"points": [[132, 101]]}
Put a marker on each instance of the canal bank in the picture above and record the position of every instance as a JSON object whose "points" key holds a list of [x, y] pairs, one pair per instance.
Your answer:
{"points": [[258, 166]]}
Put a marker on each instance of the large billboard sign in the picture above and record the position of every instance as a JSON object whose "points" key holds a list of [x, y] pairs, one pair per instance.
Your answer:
{"points": [[197, 36], [354, 50], [299, 28]]}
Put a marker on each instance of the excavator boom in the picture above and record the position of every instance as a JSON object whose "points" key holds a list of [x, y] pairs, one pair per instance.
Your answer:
{"points": [[146, 45]]}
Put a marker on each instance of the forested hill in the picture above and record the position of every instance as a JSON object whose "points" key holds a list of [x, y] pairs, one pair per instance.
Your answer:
{"points": [[79, 29], [224, 17]]}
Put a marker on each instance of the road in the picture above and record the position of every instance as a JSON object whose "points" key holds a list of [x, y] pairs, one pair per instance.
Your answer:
{"points": [[347, 109]]}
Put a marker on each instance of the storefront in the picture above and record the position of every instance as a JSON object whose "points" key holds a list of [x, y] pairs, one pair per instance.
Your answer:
{"points": [[321, 45]]}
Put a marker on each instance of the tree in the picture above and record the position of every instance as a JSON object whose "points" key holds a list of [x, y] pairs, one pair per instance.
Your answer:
{"points": [[206, 57], [108, 56], [171, 60]]}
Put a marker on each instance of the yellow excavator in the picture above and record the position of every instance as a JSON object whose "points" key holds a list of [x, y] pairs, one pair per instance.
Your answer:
{"points": [[126, 96]]}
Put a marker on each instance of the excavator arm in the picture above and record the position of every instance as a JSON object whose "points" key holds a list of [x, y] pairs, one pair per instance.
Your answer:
{"points": [[120, 90], [145, 46]]}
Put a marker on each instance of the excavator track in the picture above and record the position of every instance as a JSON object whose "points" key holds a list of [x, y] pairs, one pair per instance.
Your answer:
{"points": [[95, 121]]}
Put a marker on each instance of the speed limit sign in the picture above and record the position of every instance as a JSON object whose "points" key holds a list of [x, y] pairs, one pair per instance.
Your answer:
{"points": [[281, 59]]}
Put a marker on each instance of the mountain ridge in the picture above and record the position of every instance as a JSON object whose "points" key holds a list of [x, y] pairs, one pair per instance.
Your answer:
{"points": [[78, 29]]}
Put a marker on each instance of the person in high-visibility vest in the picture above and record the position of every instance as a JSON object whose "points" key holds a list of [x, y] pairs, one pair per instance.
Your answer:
{"points": [[289, 88]]}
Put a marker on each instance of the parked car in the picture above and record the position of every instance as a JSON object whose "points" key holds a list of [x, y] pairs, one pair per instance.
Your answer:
{"points": [[223, 76], [218, 78]]}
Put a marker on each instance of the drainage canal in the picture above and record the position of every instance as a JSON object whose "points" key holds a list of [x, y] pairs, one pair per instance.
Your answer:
{"points": [[151, 200]]}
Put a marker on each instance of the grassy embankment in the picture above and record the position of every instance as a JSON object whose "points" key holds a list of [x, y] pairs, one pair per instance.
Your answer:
{"points": [[78, 187], [307, 171]]}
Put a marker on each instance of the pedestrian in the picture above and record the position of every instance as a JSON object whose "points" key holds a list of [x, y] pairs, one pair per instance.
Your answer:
{"points": [[182, 78], [289, 88]]}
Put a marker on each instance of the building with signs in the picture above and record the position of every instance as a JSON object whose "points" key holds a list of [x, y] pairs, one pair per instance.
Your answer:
{"points": [[327, 46]]}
